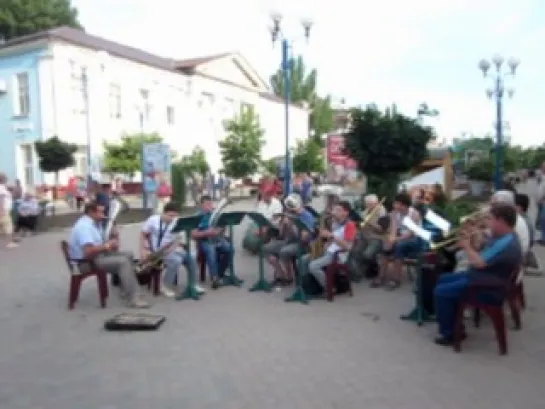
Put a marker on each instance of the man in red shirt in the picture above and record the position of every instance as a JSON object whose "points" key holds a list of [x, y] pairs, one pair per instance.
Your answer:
{"points": [[340, 238]]}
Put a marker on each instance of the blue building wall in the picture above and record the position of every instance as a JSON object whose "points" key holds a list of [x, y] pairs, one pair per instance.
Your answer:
{"points": [[17, 130]]}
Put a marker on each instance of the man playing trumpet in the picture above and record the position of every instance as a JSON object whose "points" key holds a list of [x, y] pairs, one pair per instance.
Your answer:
{"points": [[498, 259], [157, 234]]}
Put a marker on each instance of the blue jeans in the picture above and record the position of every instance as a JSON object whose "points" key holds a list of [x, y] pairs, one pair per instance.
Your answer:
{"points": [[406, 248], [173, 261], [448, 292], [216, 252]]}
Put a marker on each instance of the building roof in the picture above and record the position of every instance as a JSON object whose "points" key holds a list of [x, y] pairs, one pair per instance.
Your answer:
{"points": [[83, 39]]}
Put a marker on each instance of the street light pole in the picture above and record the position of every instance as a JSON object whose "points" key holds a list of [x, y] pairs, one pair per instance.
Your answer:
{"points": [[85, 86], [497, 92], [142, 162], [276, 33]]}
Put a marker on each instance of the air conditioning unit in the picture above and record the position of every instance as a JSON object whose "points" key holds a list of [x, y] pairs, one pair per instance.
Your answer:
{"points": [[3, 86]]}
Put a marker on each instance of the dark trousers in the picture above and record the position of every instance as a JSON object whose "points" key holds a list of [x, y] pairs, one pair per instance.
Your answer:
{"points": [[26, 223]]}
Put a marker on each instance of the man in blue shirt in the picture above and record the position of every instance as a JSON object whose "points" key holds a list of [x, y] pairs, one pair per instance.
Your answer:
{"points": [[281, 252], [498, 260], [86, 242], [217, 251]]}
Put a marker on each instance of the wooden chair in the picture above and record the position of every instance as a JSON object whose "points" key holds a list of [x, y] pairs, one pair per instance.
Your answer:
{"points": [[77, 277], [332, 271], [509, 292]]}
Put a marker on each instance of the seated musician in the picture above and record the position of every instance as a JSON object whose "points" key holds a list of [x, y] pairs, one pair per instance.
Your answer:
{"points": [[280, 252], [521, 229], [373, 232], [217, 251], [86, 242], [269, 206], [401, 243], [499, 258], [156, 234], [340, 237]]}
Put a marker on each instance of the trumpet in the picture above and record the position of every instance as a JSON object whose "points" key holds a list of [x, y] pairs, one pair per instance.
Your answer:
{"points": [[474, 216], [369, 216], [449, 241]]}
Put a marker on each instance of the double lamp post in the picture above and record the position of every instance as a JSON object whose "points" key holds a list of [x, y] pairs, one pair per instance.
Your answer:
{"points": [[277, 34], [498, 70]]}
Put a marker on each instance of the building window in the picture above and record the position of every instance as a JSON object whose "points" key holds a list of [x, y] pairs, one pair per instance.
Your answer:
{"points": [[22, 95], [170, 115], [27, 156], [115, 101], [81, 164], [208, 99], [78, 85], [146, 108]]}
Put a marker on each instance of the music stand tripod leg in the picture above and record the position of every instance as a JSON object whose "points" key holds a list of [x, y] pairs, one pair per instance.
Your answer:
{"points": [[299, 294], [261, 284], [190, 292], [418, 314], [231, 278]]}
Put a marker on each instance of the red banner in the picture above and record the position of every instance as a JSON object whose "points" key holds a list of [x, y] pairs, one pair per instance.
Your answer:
{"points": [[335, 153]]}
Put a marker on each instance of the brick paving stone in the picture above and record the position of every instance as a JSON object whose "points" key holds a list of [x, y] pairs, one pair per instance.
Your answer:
{"points": [[239, 350]]}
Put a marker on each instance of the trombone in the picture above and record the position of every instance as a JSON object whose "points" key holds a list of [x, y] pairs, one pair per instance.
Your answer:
{"points": [[368, 217]]}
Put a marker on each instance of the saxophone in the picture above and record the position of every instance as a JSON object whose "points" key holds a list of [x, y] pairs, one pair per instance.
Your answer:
{"points": [[317, 246]]}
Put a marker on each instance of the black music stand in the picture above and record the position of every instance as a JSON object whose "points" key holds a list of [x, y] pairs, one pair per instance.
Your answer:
{"points": [[261, 284], [229, 220], [299, 294], [187, 224]]}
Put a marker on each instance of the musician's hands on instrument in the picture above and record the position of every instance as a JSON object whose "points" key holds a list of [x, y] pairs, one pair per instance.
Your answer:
{"points": [[326, 234], [112, 244], [144, 253]]}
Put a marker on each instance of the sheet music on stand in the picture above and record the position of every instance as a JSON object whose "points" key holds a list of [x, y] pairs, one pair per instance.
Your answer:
{"points": [[416, 229]]}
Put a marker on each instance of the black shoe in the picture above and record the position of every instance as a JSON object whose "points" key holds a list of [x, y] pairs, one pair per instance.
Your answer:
{"points": [[215, 283]]}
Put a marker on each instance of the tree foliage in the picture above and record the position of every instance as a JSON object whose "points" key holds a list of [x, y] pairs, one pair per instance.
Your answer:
{"points": [[23, 17], [55, 155], [195, 162], [303, 90], [241, 147], [269, 166], [386, 145], [308, 156], [125, 157]]}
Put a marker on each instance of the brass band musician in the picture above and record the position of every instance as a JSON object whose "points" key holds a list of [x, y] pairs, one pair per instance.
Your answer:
{"points": [[87, 242], [156, 234], [374, 230], [339, 237], [281, 251]]}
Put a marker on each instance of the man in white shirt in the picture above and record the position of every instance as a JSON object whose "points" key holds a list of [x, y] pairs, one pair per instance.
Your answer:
{"points": [[157, 233], [6, 205], [270, 206]]}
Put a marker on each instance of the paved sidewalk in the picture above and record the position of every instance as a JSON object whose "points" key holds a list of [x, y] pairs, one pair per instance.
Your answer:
{"points": [[239, 350]]}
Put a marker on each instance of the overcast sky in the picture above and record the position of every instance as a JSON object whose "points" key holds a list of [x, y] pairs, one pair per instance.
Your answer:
{"points": [[386, 51]]}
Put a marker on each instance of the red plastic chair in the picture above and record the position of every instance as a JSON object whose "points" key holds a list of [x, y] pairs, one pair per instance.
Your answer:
{"points": [[76, 278], [510, 292], [334, 269]]}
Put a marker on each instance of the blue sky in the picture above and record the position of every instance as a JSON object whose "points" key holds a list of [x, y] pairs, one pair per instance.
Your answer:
{"points": [[386, 51]]}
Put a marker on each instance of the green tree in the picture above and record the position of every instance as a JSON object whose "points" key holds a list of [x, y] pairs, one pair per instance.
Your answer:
{"points": [[54, 156], [303, 90], [195, 162], [269, 166], [385, 145], [125, 157], [23, 17], [308, 156], [241, 147]]}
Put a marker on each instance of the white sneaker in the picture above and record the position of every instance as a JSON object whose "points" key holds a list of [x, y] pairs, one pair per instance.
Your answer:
{"points": [[199, 289], [167, 291], [12, 245]]}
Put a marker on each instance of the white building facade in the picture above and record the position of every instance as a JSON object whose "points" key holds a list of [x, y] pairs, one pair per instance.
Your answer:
{"points": [[92, 89]]}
